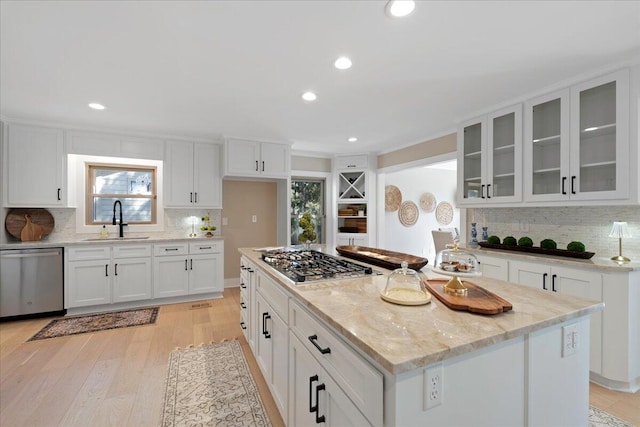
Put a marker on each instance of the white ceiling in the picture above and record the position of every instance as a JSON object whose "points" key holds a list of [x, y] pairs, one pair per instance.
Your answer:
{"points": [[237, 68]]}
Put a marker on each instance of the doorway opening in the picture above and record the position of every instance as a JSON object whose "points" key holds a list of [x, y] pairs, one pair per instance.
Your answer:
{"points": [[307, 194]]}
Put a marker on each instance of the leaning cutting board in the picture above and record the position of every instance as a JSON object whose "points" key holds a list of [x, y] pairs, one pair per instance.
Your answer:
{"points": [[15, 223], [478, 300]]}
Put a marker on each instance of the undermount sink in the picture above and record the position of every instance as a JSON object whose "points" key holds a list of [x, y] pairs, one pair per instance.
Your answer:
{"points": [[97, 239]]}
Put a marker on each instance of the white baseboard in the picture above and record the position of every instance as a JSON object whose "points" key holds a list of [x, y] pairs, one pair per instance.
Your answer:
{"points": [[232, 282]]}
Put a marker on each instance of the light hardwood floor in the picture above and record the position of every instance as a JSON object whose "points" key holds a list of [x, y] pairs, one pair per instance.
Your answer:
{"points": [[116, 377]]}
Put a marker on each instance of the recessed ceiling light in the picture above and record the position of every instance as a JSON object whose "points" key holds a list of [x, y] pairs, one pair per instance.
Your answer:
{"points": [[352, 139], [309, 96], [400, 8], [96, 106], [342, 63]]}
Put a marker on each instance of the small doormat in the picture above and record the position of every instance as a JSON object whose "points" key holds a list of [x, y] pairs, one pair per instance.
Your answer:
{"points": [[599, 418], [211, 385], [97, 322]]}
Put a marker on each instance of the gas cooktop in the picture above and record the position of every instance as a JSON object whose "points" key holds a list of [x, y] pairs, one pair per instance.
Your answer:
{"points": [[308, 265]]}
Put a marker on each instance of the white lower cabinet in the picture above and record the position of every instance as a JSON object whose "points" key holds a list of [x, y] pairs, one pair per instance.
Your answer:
{"points": [[247, 301], [314, 398], [187, 268], [104, 274], [358, 240], [272, 338], [494, 267]]}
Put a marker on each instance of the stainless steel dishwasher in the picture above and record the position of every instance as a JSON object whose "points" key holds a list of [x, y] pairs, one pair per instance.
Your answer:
{"points": [[31, 282]]}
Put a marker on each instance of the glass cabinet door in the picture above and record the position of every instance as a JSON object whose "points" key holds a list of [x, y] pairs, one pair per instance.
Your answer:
{"points": [[504, 167], [472, 141], [600, 138], [547, 147]]}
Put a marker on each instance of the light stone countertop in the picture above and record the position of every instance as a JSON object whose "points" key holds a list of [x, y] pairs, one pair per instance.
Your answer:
{"points": [[92, 240], [595, 263], [403, 338]]}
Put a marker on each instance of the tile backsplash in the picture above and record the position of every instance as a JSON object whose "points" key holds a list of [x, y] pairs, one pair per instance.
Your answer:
{"points": [[176, 224], [589, 224]]}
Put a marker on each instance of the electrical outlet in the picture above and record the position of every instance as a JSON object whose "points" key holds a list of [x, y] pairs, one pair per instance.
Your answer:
{"points": [[254, 218], [433, 387], [524, 225], [570, 340], [225, 220]]}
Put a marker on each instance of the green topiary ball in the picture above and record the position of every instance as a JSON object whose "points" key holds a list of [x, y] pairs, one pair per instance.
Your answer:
{"points": [[495, 240], [548, 244], [576, 246], [510, 241], [525, 241]]}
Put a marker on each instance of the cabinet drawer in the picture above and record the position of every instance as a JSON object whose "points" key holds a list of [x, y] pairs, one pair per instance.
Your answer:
{"points": [[171, 249], [131, 251], [206, 247], [274, 295], [352, 162], [89, 253], [359, 380]]}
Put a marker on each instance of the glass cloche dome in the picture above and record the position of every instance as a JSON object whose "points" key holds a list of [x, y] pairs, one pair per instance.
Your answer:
{"points": [[405, 287], [458, 264]]}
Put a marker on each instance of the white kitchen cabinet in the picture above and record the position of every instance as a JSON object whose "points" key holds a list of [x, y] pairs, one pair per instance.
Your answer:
{"points": [[112, 145], [493, 267], [104, 274], [188, 268], [355, 187], [570, 281], [257, 159], [272, 342], [576, 144], [490, 158], [247, 300], [314, 398], [192, 175], [35, 167]]}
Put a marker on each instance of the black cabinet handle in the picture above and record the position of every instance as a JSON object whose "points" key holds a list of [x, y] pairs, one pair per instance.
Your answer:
{"points": [[185, 265], [265, 317], [256, 166], [319, 418], [312, 408], [243, 286], [116, 269], [482, 191], [313, 339], [263, 166], [553, 283], [250, 270], [195, 197], [106, 270], [170, 249], [59, 198], [242, 325], [573, 181], [564, 180], [488, 192], [205, 247], [243, 305], [191, 197], [544, 281], [191, 264]]}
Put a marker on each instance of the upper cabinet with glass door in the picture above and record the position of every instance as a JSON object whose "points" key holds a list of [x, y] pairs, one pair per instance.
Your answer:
{"points": [[577, 142], [489, 158]]}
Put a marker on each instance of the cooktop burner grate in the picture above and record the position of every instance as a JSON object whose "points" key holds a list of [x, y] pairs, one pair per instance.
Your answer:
{"points": [[308, 265]]}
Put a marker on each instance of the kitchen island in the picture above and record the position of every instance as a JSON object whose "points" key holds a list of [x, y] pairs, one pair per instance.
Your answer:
{"points": [[416, 365]]}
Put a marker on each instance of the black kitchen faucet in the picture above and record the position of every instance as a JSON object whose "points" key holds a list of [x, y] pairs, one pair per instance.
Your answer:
{"points": [[121, 224]]}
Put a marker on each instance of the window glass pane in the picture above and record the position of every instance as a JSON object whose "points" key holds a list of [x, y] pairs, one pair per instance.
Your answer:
{"points": [[117, 181], [133, 210], [307, 195]]}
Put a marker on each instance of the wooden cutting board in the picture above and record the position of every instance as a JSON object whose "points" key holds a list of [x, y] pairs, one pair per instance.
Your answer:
{"points": [[41, 220], [478, 300]]}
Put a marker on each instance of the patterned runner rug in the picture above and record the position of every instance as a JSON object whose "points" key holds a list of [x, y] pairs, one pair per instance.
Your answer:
{"points": [[211, 385], [599, 418], [97, 322]]}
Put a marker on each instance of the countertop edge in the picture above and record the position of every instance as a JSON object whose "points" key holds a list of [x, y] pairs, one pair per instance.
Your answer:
{"points": [[85, 242]]}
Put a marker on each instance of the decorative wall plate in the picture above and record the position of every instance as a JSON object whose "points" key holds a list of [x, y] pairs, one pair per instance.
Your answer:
{"points": [[428, 202], [444, 213], [408, 213], [392, 198]]}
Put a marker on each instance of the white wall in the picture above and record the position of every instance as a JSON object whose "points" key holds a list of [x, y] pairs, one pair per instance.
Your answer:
{"points": [[417, 240]]}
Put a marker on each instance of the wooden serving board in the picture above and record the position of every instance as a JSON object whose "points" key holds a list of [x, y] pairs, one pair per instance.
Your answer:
{"points": [[15, 223], [478, 300], [381, 257]]}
